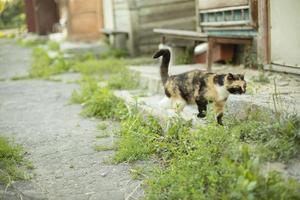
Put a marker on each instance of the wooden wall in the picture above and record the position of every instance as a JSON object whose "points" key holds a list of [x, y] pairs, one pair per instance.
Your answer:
{"points": [[140, 17], [46, 16], [85, 19], [210, 4]]}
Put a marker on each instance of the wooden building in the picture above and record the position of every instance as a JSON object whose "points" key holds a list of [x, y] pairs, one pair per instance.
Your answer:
{"points": [[137, 18], [42, 15], [269, 27], [79, 19], [278, 39]]}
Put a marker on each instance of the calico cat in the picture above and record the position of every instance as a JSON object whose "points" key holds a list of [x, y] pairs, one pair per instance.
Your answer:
{"points": [[198, 87]]}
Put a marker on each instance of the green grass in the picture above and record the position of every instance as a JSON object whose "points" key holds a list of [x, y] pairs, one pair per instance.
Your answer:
{"points": [[138, 173], [274, 138], [54, 46], [124, 80], [30, 43], [105, 135], [11, 161], [114, 70], [103, 104], [102, 126], [136, 138], [88, 86], [17, 78], [43, 66], [261, 78], [213, 162], [99, 148]]}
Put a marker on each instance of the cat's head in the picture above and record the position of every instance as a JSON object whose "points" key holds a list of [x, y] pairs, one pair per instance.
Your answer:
{"points": [[235, 83]]}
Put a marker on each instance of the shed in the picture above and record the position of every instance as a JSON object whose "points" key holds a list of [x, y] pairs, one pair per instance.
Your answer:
{"points": [[81, 19], [282, 41], [138, 18], [41, 16], [271, 28]]}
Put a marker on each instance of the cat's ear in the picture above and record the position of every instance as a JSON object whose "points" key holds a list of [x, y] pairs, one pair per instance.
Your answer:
{"points": [[230, 76]]}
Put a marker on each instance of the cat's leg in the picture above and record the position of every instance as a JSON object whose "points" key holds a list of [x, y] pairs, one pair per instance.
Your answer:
{"points": [[202, 107], [166, 103], [219, 109]]}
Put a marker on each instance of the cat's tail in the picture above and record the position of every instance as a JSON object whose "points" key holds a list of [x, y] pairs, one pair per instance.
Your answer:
{"points": [[164, 66]]}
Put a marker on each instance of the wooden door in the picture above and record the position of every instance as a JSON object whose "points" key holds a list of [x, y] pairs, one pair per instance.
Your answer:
{"points": [[85, 19], [284, 33], [46, 15]]}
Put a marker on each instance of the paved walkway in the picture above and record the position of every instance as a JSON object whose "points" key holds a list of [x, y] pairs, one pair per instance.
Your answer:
{"points": [[59, 142]]}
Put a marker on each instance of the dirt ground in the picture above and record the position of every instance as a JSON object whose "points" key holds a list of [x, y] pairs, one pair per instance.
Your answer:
{"points": [[59, 142]]}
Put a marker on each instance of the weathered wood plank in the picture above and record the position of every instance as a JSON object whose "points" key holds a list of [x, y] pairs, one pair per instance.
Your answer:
{"points": [[210, 4], [149, 32], [147, 3], [169, 23], [170, 12]]}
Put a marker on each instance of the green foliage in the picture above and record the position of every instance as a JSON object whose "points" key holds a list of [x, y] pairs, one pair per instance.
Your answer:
{"points": [[43, 66], [54, 46], [103, 148], [114, 53], [185, 57], [105, 135], [123, 80], [213, 162], [115, 71], [261, 78], [12, 15], [31, 42], [99, 67], [137, 173], [103, 104], [102, 126], [11, 158], [88, 87], [274, 138], [136, 138]]}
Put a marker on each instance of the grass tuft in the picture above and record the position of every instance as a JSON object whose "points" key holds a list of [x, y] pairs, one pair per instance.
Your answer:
{"points": [[43, 66], [99, 148], [103, 104], [11, 160]]}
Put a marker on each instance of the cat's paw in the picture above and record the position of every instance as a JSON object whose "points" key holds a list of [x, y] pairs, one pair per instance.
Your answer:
{"points": [[201, 115]]}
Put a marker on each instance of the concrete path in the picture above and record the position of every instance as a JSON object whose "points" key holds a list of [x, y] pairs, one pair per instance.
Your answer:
{"points": [[59, 142]]}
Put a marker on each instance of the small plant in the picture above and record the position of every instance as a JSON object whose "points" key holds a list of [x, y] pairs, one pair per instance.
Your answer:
{"points": [[114, 53], [261, 78], [138, 173], [186, 57], [43, 66], [99, 148], [88, 86], [274, 138], [250, 58], [103, 104], [105, 135], [53, 46], [102, 126], [11, 160], [136, 138], [124, 80], [16, 78]]}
